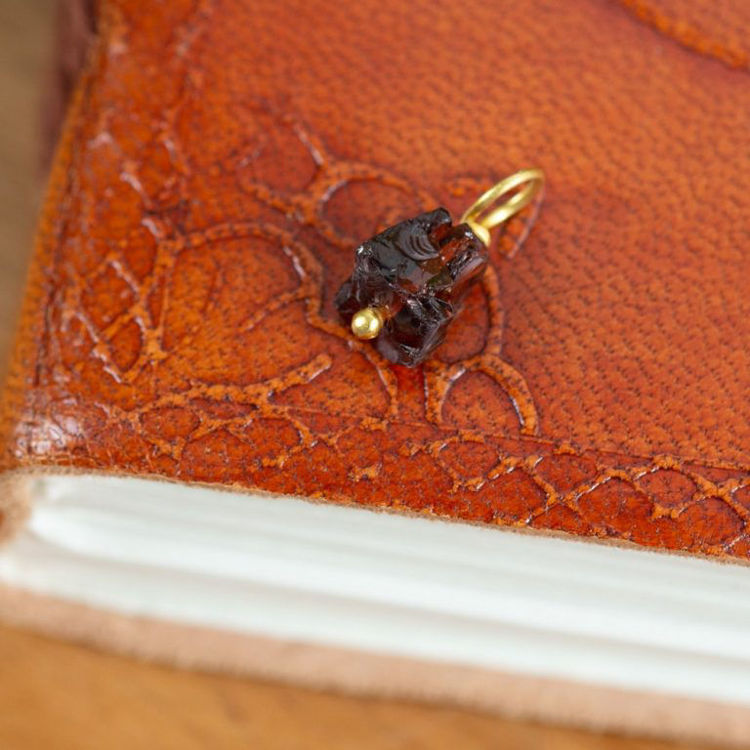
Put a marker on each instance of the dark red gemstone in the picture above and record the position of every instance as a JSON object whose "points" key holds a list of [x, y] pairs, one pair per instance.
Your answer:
{"points": [[417, 273]]}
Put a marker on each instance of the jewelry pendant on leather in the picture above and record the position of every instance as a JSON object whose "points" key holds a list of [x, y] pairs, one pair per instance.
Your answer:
{"points": [[409, 281]]}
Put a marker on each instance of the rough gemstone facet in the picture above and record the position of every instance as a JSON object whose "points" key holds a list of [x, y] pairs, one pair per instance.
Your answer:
{"points": [[417, 274]]}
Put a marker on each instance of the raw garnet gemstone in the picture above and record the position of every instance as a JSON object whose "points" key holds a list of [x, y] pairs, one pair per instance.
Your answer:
{"points": [[417, 274]]}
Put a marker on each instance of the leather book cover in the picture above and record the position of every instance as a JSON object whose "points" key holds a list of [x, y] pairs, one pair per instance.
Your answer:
{"points": [[218, 166]]}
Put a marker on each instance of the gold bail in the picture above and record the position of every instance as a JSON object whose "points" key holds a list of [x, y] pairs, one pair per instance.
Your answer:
{"points": [[483, 214]]}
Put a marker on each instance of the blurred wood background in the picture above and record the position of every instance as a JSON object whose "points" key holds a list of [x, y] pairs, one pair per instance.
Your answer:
{"points": [[59, 695]]}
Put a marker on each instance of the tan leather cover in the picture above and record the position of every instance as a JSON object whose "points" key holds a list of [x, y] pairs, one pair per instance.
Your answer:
{"points": [[221, 161]]}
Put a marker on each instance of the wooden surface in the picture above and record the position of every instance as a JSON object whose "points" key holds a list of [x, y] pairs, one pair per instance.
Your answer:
{"points": [[57, 695], [25, 41]]}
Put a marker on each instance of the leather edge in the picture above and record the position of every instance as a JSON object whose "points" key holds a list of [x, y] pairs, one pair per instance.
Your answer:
{"points": [[25, 474], [15, 504], [379, 675], [31, 329]]}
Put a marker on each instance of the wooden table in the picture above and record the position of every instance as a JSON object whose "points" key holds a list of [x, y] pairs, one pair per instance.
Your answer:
{"points": [[58, 695]]}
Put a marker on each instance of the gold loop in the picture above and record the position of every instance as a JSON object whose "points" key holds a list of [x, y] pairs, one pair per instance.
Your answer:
{"points": [[481, 217]]}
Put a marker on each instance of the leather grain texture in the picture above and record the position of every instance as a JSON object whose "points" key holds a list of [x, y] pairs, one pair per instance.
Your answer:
{"points": [[219, 164]]}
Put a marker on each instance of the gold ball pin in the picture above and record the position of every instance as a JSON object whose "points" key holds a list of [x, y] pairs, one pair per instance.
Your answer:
{"points": [[367, 323]]}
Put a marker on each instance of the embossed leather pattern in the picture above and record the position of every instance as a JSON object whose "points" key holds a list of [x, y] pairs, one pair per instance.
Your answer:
{"points": [[220, 164]]}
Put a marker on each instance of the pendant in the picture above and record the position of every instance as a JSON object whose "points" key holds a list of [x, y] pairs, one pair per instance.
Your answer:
{"points": [[410, 280]]}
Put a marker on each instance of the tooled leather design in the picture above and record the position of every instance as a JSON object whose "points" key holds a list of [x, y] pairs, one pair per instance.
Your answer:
{"points": [[181, 320], [308, 207], [698, 26]]}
